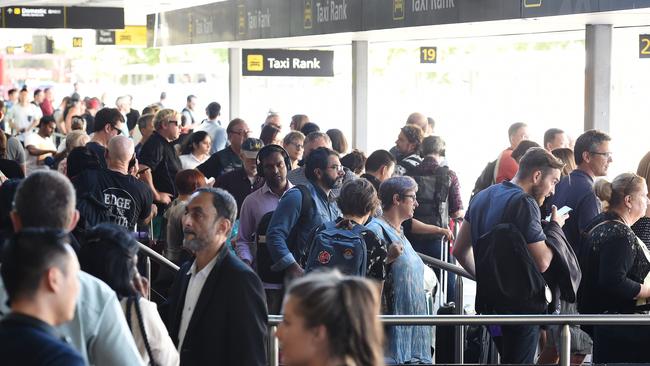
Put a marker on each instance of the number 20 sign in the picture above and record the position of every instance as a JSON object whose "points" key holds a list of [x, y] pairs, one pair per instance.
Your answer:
{"points": [[644, 45]]}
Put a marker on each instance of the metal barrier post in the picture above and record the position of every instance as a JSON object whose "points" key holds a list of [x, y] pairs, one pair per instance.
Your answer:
{"points": [[565, 346], [459, 340], [274, 347], [148, 270]]}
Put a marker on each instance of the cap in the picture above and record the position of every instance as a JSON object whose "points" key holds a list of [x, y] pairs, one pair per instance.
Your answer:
{"points": [[251, 146]]}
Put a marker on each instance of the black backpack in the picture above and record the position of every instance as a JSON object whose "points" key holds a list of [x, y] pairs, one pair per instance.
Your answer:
{"points": [[486, 178], [507, 279], [263, 257]]}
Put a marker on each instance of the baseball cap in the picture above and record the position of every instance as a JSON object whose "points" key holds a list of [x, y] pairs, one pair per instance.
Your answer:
{"points": [[251, 146]]}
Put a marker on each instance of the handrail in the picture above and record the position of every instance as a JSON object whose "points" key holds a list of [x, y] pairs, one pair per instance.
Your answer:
{"points": [[158, 258], [458, 270], [460, 320], [582, 319]]}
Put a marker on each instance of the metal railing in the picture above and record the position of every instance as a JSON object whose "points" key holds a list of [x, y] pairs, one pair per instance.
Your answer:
{"points": [[461, 320]]}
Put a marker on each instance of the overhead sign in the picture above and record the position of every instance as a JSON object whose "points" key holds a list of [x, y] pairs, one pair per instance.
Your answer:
{"points": [[76, 17], [234, 20], [77, 42], [644, 45], [34, 17], [105, 37], [277, 62], [428, 55], [131, 35]]}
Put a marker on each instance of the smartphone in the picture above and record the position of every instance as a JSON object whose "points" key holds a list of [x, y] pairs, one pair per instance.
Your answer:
{"points": [[563, 211]]}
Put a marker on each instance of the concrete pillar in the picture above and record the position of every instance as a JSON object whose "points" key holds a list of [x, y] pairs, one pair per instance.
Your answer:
{"points": [[234, 63], [598, 80], [360, 95]]}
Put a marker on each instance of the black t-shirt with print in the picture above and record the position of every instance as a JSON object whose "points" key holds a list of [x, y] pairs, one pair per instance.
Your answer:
{"points": [[128, 200]]}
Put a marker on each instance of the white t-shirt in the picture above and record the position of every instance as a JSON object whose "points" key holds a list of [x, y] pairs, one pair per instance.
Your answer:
{"points": [[39, 142], [23, 116], [189, 161]]}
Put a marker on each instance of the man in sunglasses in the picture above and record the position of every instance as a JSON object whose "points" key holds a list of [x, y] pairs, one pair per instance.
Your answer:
{"points": [[576, 190], [108, 124], [228, 159]]}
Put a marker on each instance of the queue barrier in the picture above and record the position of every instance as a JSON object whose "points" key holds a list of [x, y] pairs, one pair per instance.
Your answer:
{"points": [[459, 320]]}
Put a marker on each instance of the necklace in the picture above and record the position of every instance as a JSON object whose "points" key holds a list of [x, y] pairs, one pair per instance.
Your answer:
{"points": [[397, 229]]}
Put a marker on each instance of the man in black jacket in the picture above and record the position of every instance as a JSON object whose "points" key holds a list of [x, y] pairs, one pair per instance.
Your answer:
{"points": [[216, 309]]}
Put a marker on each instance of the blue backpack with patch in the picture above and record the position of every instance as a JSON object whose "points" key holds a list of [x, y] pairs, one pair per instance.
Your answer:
{"points": [[338, 248]]}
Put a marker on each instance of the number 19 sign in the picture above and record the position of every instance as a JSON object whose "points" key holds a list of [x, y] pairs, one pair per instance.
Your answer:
{"points": [[644, 45], [428, 55]]}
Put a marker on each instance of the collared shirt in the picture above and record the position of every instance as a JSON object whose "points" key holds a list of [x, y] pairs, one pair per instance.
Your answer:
{"points": [[576, 191], [286, 216], [194, 288], [216, 132], [159, 155], [256, 205], [239, 185], [190, 161]]}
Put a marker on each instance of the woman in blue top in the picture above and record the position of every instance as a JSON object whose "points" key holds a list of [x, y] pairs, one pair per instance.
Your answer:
{"points": [[404, 286]]}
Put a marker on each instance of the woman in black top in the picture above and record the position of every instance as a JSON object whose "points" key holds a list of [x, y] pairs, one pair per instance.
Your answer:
{"points": [[642, 227], [615, 267]]}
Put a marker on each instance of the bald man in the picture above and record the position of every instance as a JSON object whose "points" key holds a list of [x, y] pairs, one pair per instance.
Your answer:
{"points": [[125, 200]]}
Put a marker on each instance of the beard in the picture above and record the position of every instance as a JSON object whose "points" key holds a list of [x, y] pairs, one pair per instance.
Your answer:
{"points": [[195, 244], [538, 195], [332, 183]]}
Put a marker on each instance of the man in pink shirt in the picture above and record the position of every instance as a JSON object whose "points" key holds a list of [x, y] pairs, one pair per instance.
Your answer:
{"points": [[507, 167]]}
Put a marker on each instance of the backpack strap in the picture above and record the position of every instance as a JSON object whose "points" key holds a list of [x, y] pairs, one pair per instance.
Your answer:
{"points": [[307, 205]]}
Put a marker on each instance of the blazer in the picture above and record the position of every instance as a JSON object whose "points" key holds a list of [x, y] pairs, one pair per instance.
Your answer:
{"points": [[229, 323]]}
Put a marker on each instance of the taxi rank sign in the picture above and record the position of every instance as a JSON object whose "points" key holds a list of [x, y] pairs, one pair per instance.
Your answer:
{"points": [[278, 62]]}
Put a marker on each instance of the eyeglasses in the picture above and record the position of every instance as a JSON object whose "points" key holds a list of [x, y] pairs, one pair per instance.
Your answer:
{"points": [[607, 155], [298, 146], [338, 168], [242, 132], [119, 131], [410, 196]]}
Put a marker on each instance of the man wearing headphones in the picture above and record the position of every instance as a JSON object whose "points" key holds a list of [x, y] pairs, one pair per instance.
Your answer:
{"points": [[273, 163], [243, 181]]}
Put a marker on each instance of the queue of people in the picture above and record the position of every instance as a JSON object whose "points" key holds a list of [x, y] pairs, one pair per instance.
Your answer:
{"points": [[257, 224]]}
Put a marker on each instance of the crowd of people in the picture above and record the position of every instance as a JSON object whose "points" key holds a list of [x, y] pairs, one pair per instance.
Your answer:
{"points": [[301, 225]]}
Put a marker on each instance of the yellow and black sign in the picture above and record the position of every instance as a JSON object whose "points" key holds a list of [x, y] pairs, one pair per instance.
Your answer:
{"points": [[27, 47], [307, 15], [77, 42], [280, 62], [644, 45], [255, 62], [532, 3], [428, 55], [398, 9], [131, 35], [11, 50]]}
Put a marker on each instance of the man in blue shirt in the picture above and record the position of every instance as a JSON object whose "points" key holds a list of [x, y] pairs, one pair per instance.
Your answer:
{"points": [[538, 173], [324, 172], [213, 127], [40, 271], [576, 190]]}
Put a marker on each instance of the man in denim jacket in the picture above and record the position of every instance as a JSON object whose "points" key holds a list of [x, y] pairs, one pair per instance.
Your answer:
{"points": [[324, 172]]}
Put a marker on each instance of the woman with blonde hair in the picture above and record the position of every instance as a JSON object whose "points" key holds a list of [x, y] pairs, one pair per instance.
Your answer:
{"points": [[615, 271], [331, 319], [566, 156]]}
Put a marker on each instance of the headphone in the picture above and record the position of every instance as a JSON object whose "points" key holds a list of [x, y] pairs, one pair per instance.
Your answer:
{"points": [[268, 150]]}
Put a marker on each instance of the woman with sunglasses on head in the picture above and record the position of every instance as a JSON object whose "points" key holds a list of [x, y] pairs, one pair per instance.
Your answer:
{"points": [[195, 150], [404, 287], [615, 267], [330, 319]]}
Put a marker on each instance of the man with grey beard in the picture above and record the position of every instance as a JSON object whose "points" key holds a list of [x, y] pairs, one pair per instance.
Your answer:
{"points": [[216, 311]]}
